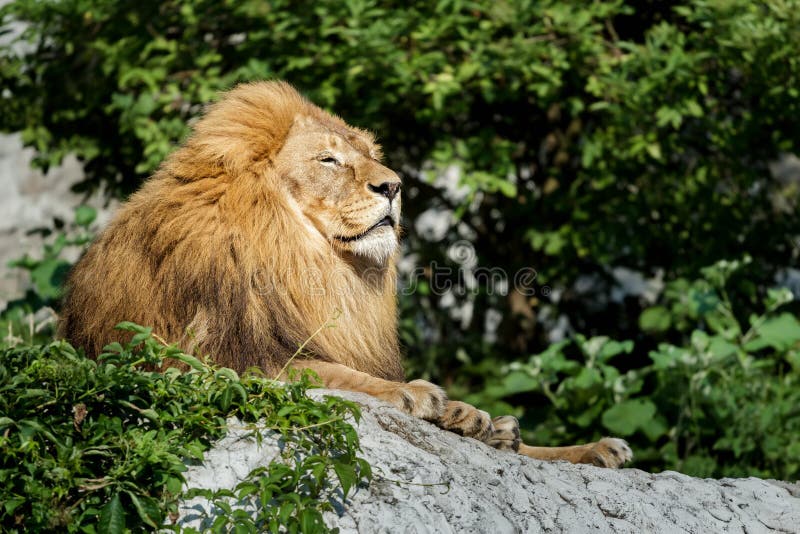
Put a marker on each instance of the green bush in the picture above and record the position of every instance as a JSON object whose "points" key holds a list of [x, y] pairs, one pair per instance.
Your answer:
{"points": [[586, 136], [723, 404], [100, 446]]}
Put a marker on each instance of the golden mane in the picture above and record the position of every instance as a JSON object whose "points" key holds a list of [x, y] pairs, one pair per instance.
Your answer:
{"points": [[213, 254]]}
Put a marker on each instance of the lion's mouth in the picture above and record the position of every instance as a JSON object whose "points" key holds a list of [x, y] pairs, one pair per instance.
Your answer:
{"points": [[386, 221]]}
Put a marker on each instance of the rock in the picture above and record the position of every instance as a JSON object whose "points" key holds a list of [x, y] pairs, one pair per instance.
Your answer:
{"points": [[31, 200], [429, 480]]}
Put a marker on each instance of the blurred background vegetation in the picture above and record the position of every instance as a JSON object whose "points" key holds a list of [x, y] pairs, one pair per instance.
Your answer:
{"points": [[637, 156]]}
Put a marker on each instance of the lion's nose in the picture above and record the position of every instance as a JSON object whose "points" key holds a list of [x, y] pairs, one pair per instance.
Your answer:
{"points": [[387, 189]]}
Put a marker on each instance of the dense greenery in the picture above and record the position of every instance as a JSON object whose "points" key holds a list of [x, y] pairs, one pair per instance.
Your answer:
{"points": [[585, 137], [99, 446], [724, 403]]}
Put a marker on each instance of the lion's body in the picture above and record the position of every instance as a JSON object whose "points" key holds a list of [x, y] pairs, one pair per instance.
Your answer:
{"points": [[273, 227], [211, 252]]}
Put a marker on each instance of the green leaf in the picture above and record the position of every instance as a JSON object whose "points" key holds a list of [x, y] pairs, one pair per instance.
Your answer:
{"points": [[190, 360], [147, 509], [518, 382], [346, 474], [721, 348], [112, 517], [49, 276], [85, 215], [587, 378], [133, 327], [655, 319], [781, 333], [245, 489], [507, 188], [230, 374], [174, 485], [11, 504], [239, 390], [654, 149], [364, 468], [655, 428], [629, 416], [311, 521], [612, 348], [777, 297], [225, 399]]}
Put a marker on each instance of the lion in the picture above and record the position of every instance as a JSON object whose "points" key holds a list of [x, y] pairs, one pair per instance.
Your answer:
{"points": [[274, 217]]}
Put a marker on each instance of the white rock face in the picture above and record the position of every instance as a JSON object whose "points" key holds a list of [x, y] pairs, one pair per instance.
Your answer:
{"points": [[31, 199], [429, 480]]}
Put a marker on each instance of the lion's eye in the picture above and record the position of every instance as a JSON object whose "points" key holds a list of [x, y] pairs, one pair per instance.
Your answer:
{"points": [[327, 159]]}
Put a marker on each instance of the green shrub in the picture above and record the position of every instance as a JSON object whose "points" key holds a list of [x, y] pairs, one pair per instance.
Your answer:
{"points": [[723, 404], [100, 446]]}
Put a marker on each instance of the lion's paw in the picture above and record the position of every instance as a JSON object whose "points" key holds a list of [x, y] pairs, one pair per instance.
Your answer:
{"points": [[505, 435], [466, 420], [608, 452], [419, 398]]}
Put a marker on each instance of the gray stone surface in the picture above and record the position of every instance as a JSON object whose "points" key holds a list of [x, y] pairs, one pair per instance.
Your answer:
{"points": [[31, 199], [429, 480]]}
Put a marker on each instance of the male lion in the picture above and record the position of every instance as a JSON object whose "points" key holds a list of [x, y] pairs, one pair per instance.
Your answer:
{"points": [[271, 219]]}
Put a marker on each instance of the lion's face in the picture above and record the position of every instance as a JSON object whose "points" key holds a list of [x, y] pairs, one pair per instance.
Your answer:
{"points": [[334, 176]]}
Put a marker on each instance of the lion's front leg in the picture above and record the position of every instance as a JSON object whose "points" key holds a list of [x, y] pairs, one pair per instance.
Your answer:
{"points": [[418, 397], [421, 399]]}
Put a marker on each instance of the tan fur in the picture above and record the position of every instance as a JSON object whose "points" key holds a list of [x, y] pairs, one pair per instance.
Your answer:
{"points": [[258, 235], [213, 243]]}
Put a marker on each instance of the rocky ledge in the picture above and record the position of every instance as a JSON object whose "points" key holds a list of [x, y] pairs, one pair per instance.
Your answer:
{"points": [[429, 480]]}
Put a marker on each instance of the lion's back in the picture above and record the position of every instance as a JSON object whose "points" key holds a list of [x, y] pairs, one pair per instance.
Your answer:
{"points": [[113, 282]]}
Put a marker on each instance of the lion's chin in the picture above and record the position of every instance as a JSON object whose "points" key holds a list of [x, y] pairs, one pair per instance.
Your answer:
{"points": [[379, 245]]}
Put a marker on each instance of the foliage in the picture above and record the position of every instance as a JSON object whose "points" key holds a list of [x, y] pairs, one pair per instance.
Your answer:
{"points": [[724, 404], [99, 446], [578, 138]]}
